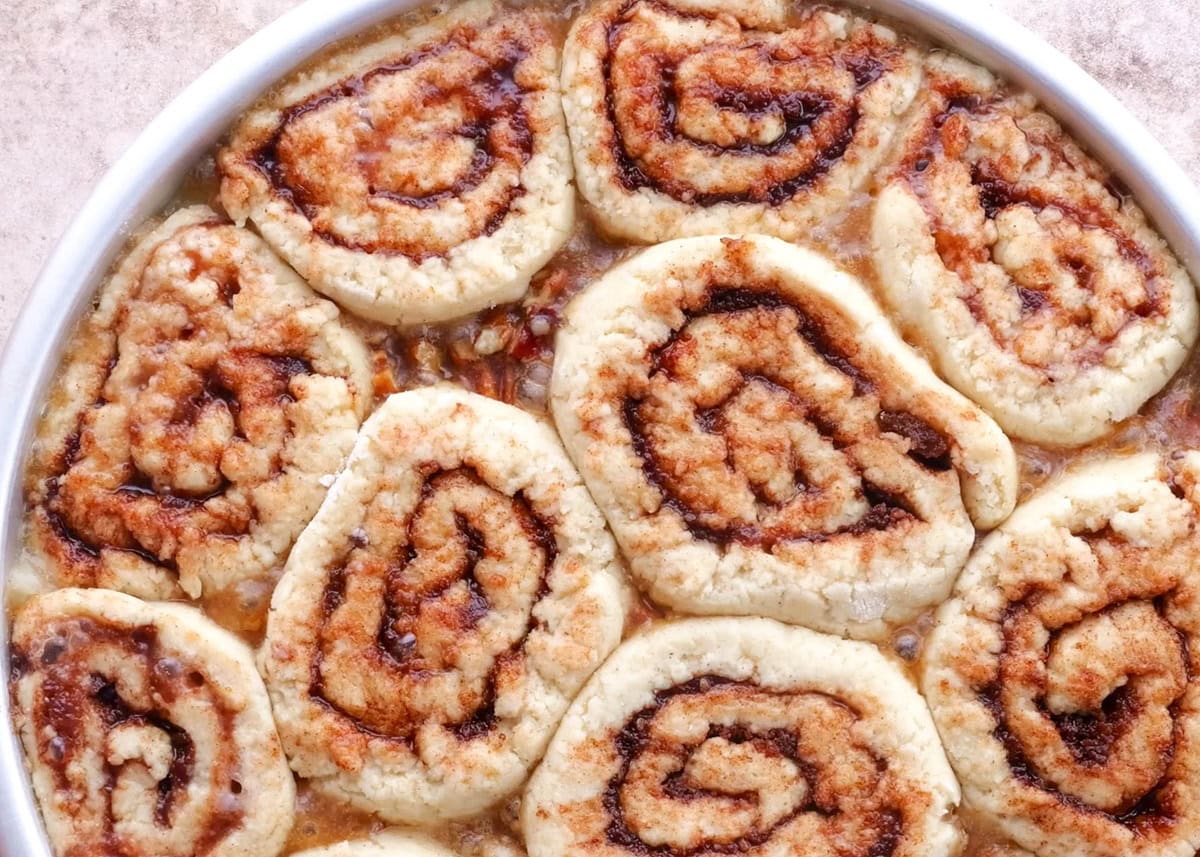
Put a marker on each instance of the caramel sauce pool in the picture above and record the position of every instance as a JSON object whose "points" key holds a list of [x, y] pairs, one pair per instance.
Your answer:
{"points": [[507, 353]]}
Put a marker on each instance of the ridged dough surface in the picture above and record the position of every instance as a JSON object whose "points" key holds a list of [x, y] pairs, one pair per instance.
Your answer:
{"points": [[1062, 676], [447, 602], [762, 442], [744, 736], [147, 731]]}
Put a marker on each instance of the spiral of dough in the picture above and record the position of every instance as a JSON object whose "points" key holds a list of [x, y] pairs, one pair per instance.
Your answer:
{"points": [[744, 736], [692, 117], [1062, 676], [763, 443], [147, 730], [1039, 289], [436, 618], [419, 177], [198, 409]]}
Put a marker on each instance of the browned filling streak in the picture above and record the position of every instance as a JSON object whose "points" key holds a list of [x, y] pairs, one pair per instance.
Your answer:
{"points": [[816, 119], [452, 600], [887, 509], [89, 510], [75, 704], [498, 129], [887, 824], [960, 253], [1089, 736]]}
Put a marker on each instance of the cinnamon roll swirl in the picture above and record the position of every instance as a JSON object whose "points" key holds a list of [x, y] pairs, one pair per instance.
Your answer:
{"points": [[693, 117], [763, 443], [197, 411], [1038, 287], [419, 177], [147, 731], [436, 618], [744, 736], [1063, 675]]}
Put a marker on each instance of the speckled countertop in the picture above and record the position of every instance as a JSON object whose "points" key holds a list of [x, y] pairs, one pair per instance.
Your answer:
{"points": [[82, 77]]}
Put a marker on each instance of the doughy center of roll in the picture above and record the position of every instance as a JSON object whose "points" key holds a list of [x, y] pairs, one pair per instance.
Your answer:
{"points": [[707, 112], [757, 430], [716, 766], [429, 634]]}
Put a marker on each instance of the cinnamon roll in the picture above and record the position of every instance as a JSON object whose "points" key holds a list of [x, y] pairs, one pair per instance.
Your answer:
{"points": [[1038, 287], [744, 736], [763, 443], [199, 407], [147, 730], [1063, 675], [419, 177], [693, 117], [436, 618]]}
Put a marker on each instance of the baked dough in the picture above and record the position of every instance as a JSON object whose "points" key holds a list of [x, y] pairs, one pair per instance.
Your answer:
{"points": [[1063, 674], [762, 442], [744, 736], [695, 117], [447, 602], [147, 731], [1040, 292], [418, 177], [198, 410]]}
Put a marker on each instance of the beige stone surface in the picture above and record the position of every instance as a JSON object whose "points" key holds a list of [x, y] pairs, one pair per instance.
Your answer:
{"points": [[82, 77]]}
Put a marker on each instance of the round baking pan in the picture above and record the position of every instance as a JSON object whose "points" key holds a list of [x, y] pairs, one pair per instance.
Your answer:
{"points": [[153, 167]]}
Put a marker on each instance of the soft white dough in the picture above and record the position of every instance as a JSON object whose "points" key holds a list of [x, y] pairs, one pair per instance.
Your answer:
{"points": [[398, 843]]}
